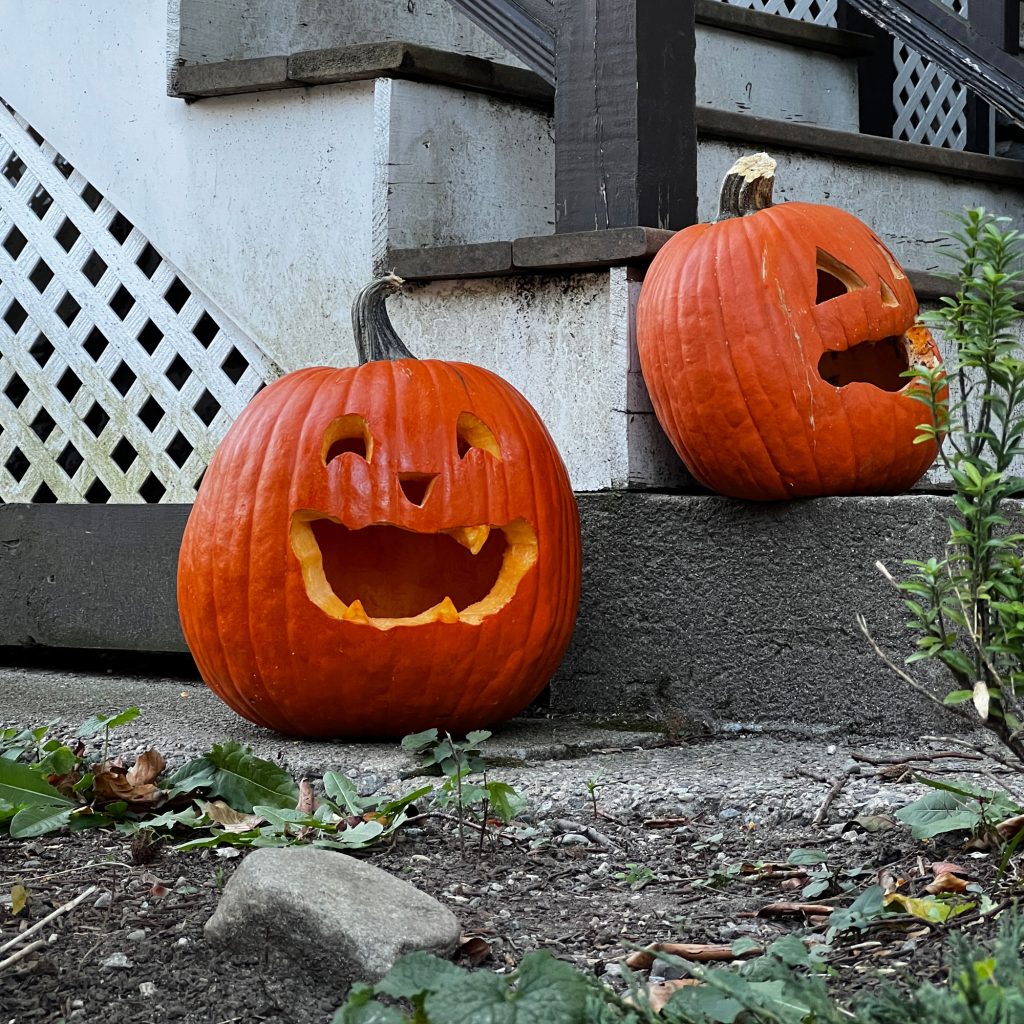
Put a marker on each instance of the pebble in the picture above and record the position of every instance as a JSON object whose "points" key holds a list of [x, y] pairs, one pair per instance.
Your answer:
{"points": [[117, 960], [147, 989], [102, 901], [728, 813], [137, 936], [574, 839]]}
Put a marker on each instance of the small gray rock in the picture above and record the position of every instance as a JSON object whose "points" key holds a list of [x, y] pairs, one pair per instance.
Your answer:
{"points": [[117, 960], [329, 914]]}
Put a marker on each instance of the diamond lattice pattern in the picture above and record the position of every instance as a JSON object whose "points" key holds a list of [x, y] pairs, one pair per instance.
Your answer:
{"points": [[117, 377], [930, 106]]}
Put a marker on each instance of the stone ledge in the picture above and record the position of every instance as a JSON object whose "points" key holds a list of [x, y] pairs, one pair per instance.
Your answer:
{"points": [[716, 14], [722, 124], [359, 63], [230, 77]]}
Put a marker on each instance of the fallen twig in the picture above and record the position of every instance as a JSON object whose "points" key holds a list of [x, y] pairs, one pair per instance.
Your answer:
{"points": [[700, 952], [665, 822], [788, 909], [936, 755], [22, 953], [64, 909]]}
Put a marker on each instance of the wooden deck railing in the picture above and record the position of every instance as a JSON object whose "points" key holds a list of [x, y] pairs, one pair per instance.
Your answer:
{"points": [[624, 76]]}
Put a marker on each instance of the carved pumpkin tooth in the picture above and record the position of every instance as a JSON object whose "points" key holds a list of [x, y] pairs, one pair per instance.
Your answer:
{"points": [[356, 612], [471, 537], [446, 611]]}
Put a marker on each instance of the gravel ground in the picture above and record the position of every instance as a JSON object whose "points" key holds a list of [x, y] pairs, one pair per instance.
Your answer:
{"points": [[590, 877]]}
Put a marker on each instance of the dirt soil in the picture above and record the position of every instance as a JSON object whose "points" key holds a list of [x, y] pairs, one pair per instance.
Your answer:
{"points": [[588, 887]]}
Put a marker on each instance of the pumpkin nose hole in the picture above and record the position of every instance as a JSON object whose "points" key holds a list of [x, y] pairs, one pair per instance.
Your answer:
{"points": [[417, 486], [878, 363]]}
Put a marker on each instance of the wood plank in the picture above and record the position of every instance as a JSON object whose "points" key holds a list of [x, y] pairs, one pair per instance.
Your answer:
{"points": [[90, 576], [626, 145]]}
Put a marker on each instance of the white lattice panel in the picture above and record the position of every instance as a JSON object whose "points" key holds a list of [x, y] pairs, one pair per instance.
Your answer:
{"points": [[821, 12], [117, 377], [930, 106]]}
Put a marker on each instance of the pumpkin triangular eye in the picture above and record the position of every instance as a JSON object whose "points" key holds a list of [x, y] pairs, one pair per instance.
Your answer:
{"points": [[835, 278], [347, 435], [888, 295], [472, 432]]}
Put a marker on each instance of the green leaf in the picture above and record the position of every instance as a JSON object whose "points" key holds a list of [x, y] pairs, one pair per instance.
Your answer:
{"points": [[38, 819], [474, 739], [243, 779], [806, 856], [939, 812], [58, 761], [416, 974], [22, 785], [505, 801], [342, 790], [97, 723], [958, 697], [419, 740]]}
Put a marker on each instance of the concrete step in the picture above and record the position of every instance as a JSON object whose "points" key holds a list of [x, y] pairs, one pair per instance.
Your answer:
{"points": [[694, 609]]}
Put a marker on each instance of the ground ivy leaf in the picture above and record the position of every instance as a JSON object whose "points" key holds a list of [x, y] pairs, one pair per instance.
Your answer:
{"points": [[481, 998], [938, 812], [417, 973], [804, 856]]}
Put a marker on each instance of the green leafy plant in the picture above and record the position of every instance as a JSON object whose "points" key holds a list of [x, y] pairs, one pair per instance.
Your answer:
{"points": [[228, 794], [636, 876], [473, 803], [957, 806], [967, 607], [786, 985]]}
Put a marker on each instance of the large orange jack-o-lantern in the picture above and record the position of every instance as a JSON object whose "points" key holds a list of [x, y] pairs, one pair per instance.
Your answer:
{"points": [[381, 549], [772, 343]]}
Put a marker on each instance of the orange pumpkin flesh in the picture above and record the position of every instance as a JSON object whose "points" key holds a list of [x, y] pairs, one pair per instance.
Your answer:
{"points": [[380, 550], [772, 344]]}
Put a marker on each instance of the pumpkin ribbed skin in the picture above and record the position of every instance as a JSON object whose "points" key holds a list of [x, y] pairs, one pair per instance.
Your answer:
{"points": [[280, 660], [730, 336]]}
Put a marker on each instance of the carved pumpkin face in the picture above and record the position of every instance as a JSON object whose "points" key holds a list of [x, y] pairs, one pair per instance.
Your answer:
{"points": [[772, 344], [380, 550]]}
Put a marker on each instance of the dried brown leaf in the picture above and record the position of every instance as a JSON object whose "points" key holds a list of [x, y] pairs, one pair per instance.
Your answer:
{"points": [[474, 949], [307, 802], [1009, 828], [112, 781], [942, 867], [660, 992], [946, 881], [221, 813]]}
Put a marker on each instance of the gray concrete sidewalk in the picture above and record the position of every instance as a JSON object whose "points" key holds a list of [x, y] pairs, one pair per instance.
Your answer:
{"points": [[748, 778]]}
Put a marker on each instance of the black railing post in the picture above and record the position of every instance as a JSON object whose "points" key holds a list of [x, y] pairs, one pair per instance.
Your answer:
{"points": [[998, 21], [625, 117], [876, 74]]}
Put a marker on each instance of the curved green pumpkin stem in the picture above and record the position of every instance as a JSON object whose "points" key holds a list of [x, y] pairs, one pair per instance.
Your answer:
{"points": [[747, 187], [376, 337]]}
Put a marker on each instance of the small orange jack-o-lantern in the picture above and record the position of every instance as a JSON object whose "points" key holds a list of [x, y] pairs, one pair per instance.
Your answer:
{"points": [[381, 549], [773, 342]]}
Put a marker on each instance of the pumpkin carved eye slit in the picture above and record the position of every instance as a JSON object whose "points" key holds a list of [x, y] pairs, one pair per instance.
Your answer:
{"points": [[472, 432], [347, 435], [835, 278]]}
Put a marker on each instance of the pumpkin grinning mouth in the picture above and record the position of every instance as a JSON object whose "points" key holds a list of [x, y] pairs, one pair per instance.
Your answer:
{"points": [[879, 363], [385, 575]]}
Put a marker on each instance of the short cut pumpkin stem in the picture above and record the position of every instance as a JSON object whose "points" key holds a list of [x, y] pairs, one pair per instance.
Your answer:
{"points": [[747, 186], [375, 335]]}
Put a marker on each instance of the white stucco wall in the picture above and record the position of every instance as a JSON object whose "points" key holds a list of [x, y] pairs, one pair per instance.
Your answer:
{"points": [[262, 200]]}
